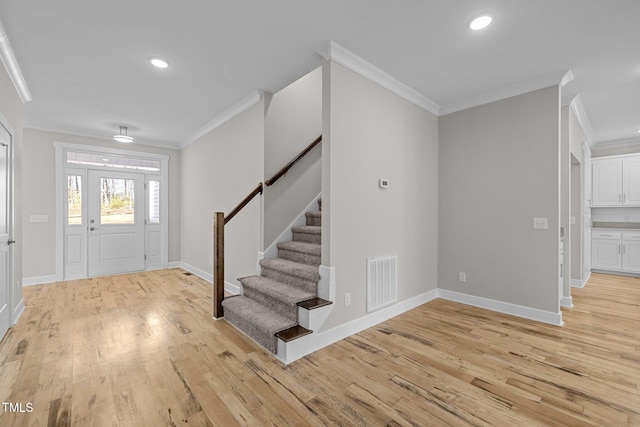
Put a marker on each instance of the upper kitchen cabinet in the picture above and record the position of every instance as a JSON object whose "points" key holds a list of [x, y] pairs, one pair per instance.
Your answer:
{"points": [[616, 181], [631, 181]]}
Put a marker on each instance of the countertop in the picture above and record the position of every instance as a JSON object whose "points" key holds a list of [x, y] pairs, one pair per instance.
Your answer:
{"points": [[631, 226]]}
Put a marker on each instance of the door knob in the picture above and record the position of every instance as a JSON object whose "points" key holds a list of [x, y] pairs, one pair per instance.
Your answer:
{"points": [[10, 242], [93, 228]]}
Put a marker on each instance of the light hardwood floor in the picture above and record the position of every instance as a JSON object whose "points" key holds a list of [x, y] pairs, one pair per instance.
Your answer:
{"points": [[142, 350]]}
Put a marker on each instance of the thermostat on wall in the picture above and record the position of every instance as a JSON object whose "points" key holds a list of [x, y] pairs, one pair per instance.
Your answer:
{"points": [[383, 183]]}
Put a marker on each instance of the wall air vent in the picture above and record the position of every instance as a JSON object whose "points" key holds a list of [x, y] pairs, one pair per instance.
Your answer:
{"points": [[382, 280]]}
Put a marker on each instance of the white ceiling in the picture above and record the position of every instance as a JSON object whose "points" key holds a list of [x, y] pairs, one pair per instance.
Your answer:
{"points": [[85, 62]]}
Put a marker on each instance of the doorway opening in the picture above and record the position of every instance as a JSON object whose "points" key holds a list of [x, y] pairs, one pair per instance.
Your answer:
{"points": [[112, 211], [6, 230]]}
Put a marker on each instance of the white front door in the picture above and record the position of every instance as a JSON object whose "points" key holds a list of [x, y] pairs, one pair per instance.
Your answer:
{"points": [[116, 222], [5, 231]]}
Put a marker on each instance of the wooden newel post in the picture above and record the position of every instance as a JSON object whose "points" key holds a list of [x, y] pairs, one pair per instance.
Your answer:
{"points": [[218, 264]]}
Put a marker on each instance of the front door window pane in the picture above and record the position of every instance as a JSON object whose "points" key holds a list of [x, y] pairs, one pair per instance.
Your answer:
{"points": [[74, 200], [154, 202], [117, 201]]}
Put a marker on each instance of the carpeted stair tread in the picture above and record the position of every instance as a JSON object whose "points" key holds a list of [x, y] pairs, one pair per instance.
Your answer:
{"points": [[307, 229], [256, 320], [302, 247], [303, 271], [279, 291], [313, 214]]}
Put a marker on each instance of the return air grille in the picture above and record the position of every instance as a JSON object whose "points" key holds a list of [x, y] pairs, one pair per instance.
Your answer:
{"points": [[382, 281]]}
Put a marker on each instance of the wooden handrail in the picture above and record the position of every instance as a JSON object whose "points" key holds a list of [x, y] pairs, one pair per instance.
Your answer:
{"points": [[218, 264], [219, 221], [243, 203], [289, 165]]}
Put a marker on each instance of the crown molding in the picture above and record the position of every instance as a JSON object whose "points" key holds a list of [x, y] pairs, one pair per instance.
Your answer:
{"points": [[560, 78], [619, 143], [13, 69], [332, 51], [581, 115], [243, 105]]}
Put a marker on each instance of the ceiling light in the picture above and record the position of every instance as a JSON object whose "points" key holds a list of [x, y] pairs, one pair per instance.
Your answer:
{"points": [[480, 21], [122, 136], [158, 63]]}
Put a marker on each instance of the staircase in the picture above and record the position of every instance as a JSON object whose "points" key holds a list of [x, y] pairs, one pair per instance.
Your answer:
{"points": [[269, 306]]}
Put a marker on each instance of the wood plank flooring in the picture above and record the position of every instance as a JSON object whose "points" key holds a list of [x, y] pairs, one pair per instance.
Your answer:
{"points": [[142, 350]]}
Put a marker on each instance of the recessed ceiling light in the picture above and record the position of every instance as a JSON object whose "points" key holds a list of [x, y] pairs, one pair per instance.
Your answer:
{"points": [[158, 63], [481, 21]]}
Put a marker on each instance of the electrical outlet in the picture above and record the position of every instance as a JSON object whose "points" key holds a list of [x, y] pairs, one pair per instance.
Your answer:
{"points": [[347, 298], [540, 223], [462, 276]]}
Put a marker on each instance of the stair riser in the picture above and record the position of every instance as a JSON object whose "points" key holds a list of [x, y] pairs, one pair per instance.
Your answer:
{"points": [[270, 343], [286, 310], [280, 276], [314, 221], [299, 257], [307, 238]]}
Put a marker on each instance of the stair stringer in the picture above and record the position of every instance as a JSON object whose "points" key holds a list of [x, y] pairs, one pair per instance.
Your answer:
{"points": [[296, 349], [311, 319], [287, 234]]}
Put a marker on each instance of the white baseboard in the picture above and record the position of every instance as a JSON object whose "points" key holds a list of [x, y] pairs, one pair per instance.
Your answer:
{"points": [[566, 302], [306, 345], [229, 287], [577, 283], [38, 280], [503, 307], [17, 312], [195, 270]]}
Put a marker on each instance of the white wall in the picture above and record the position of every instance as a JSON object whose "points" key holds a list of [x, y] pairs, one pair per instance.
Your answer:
{"points": [[576, 228], [576, 138], [565, 198], [499, 168], [218, 171], [370, 133], [11, 109], [38, 191], [293, 120]]}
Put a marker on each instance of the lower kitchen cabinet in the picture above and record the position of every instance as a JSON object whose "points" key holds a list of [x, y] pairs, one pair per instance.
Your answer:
{"points": [[615, 251]]}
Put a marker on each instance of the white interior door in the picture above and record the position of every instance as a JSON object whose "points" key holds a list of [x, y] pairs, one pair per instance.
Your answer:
{"points": [[5, 232], [116, 222]]}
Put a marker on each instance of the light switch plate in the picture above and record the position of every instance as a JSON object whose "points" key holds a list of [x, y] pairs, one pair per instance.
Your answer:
{"points": [[39, 218], [540, 223]]}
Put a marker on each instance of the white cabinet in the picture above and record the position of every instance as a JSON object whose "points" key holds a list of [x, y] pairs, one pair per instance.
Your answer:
{"points": [[631, 252], [586, 179], [586, 246], [616, 251], [606, 252], [616, 181], [607, 182], [631, 181]]}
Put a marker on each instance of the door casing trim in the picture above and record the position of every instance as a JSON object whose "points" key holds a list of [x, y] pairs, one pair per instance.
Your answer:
{"points": [[61, 148]]}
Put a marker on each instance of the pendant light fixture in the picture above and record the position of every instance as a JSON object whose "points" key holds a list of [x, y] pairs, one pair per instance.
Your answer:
{"points": [[123, 137]]}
